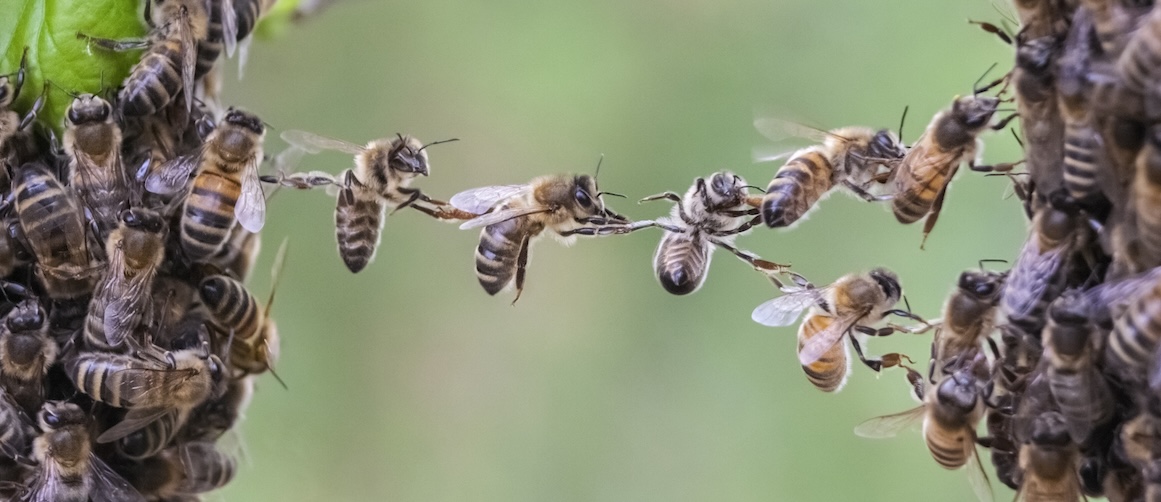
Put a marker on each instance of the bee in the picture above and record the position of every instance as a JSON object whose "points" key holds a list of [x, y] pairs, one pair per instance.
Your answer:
{"points": [[1041, 268], [217, 415], [710, 214], [221, 31], [384, 171], [68, 470], [226, 188], [1071, 349], [123, 299], [565, 205], [247, 13], [1146, 198], [170, 64], [852, 303], [950, 413], [150, 386], [1113, 22], [55, 232], [184, 470], [238, 255], [26, 353], [851, 157], [93, 141], [952, 137], [1042, 17], [1036, 102], [1136, 64], [1133, 343], [969, 317], [1048, 460], [10, 86], [255, 344], [16, 431], [152, 438]]}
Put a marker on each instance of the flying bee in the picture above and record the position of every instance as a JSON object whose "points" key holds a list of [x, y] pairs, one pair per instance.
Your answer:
{"points": [[1048, 460], [856, 158], [969, 317], [55, 232], [226, 188], [150, 385], [68, 470], [1071, 350], [1146, 198], [710, 214], [26, 353], [123, 298], [384, 171], [952, 138], [852, 303], [950, 413], [234, 311], [1041, 268], [564, 205], [93, 141], [170, 64]]}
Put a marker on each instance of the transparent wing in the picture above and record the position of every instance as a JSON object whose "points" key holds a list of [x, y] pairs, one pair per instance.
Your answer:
{"points": [[977, 477], [1030, 277], [824, 340], [778, 130], [313, 143], [135, 420], [1111, 296], [501, 216], [251, 206], [287, 159], [189, 57], [46, 487], [229, 26], [108, 486], [172, 176], [761, 154], [888, 426], [483, 199], [785, 309], [124, 313]]}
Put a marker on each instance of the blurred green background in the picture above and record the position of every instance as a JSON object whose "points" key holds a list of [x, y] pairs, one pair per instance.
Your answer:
{"points": [[407, 382]]}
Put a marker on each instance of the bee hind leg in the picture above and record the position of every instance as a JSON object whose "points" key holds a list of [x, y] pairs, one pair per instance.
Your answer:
{"points": [[521, 264], [754, 260], [865, 195], [933, 216]]}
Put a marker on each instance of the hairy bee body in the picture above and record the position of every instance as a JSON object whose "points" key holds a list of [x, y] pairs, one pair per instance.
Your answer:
{"points": [[968, 317], [170, 63], [953, 412], [51, 221], [1036, 87], [1133, 343], [67, 470], [26, 353], [209, 46], [93, 140], [359, 216], [1070, 346], [1146, 198], [123, 298], [125, 381], [829, 373], [237, 313], [152, 438], [1048, 461]]}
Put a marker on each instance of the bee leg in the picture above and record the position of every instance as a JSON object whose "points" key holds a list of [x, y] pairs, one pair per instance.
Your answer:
{"points": [[663, 195], [521, 263], [876, 365], [413, 195], [115, 45], [1003, 122], [20, 75], [993, 29], [36, 106], [915, 379], [993, 347], [754, 260], [865, 195], [1002, 167], [933, 216]]}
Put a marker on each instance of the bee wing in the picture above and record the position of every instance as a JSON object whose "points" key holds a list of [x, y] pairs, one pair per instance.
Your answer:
{"points": [[888, 426], [108, 486], [977, 477], [251, 206], [123, 314], [1033, 272], [173, 175], [778, 130], [483, 199], [189, 56], [824, 340], [501, 216], [229, 26], [285, 161], [45, 488], [135, 420], [1113, 295], [761, 154], [314, 143], [785, 309]]}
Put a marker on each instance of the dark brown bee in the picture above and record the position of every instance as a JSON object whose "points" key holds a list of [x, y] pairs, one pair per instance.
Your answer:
{"points": [[969, 317], [1036, 89], [1071, 347], [1048, 461], [52, 224], [26, 353], [93, 141], [1146, 198], [1041, 268]]}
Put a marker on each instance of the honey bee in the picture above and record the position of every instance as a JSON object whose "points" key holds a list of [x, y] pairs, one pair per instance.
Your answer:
{"points": [[68, 471], [185, 470], [1042, 17], [384, 171], [226, 188], [233, 310], [221, 31], [170, 64], [150, 386], [123, 299], [852, 157], [1048, 460], [950, 413], [1036, 102], [1146, 198], [1071, 349], [93, 141], [16, 431], [952, 137], [26, 353], [247, 13], [10, 86], [1132, 345], [565, 205], [152, 438], [217, 415], [1113, 22], [238, 255], [1135, 65], [710, 214], [52, 225], [1041, 268], [852, 303], [969, 317]]}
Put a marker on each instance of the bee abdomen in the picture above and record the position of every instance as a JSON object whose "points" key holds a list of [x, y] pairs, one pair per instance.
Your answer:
{"points": [[1146, 198], [154, 81], [496, 257], [829, 372], [358, 224], [1080, 169], [210, 47], [681, 263], [214, 471], [798, 185], [947, 449], [208, 216], [1133, 342], [246, 13], [1081, 404], [1142, 56], [98, 377], [153, 438], [232, 307]]}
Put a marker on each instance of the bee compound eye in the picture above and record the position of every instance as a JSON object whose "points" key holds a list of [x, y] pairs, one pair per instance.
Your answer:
{"points": [[583, 198]]}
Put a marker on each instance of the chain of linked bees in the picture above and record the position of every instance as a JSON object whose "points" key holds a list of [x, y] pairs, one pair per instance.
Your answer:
{"points": [[129, 343]]}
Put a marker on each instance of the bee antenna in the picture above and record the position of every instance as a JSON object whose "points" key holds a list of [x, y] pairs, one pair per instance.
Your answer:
{"points": [[614, 194], [276, 377], [424, 147], [49, 81], [1017, 136], [758, 188], [901, 120], [597, 174], [976, 89]]}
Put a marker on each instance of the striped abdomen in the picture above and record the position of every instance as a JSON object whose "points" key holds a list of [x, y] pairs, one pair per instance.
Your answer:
{"points": [[114, 379], [208, 468], [1146, 197], [154, 81], [210, 47], [1133, 343], [799, 184], [1083, 399], [681, 262], [949, 446], [153, 438], [246, 14], [829, 372], [359, 219], [232, 308], [917, 184], [16, 433], [1081, 144], [24, 360], [497, 253], [1140, 63], [208, 214], [50, 217]]}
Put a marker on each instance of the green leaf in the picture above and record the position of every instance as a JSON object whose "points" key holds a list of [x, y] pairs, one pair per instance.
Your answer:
{"points": [[48, 28], [275, 22]]}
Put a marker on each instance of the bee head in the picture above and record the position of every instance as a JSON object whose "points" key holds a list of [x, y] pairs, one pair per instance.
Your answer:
{"points": [[1050, 429], [143, 219], [889, 283], [885, 145], [407, 155], [57, 414], [89, 109], [982, 285], [28, 316], [245, 120], [974, 112], [726, 189], [958, 391]]}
